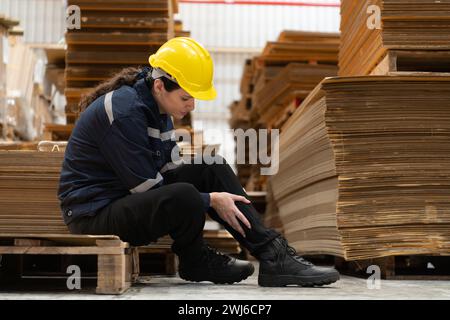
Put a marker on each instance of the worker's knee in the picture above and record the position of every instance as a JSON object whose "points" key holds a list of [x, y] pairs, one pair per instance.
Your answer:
{"points": [[187, 199]]}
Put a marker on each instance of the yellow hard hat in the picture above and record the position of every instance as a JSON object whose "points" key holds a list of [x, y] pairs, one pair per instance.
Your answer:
{"points": [[189, 63]]}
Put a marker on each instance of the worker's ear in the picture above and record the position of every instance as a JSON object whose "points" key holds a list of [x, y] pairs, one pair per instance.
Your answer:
{"points": [[158, 86]]}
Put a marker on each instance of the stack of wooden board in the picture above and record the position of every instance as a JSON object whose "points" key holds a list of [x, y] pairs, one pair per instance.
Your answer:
{"points": [[365, 168], [114, 34], [410, 36], [287, 71]]}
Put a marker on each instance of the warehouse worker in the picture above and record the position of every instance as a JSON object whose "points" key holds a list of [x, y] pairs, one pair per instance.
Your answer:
{"points": [[118, 176]]}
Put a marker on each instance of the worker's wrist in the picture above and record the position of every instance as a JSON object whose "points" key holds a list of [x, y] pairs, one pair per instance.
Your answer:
{"points": [[212, 199]]}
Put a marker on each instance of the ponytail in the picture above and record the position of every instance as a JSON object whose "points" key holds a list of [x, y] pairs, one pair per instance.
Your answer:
{"points": [[128, 76]]}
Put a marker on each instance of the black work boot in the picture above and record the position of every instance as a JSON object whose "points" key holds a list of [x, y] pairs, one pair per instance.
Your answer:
{"points": [[281, 266], [215, 267]]}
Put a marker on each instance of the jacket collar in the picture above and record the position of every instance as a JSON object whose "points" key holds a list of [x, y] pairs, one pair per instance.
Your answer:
{"points": [[146, 95]]}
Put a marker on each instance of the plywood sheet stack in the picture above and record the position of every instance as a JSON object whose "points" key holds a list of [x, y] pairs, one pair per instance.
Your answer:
{"points": [[412, 36], [114, 34], [365, 168], [287, 71]]}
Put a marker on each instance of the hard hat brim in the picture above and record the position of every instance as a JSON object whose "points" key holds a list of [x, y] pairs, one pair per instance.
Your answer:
{"points": [[210, 94]]}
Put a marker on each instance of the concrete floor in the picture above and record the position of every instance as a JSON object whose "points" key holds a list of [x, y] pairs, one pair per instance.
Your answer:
{"points": [[174, 288]]}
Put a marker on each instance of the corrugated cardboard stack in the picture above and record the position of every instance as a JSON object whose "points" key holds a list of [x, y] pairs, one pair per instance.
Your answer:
{"points": [[113, 35], [240, 116], [287, 71], [364, 160], [365, 168], [406, 36], [284, 74], [28, 192]]}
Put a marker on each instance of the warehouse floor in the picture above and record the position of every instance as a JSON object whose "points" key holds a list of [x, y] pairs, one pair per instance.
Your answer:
{"points": [[174, 288]]}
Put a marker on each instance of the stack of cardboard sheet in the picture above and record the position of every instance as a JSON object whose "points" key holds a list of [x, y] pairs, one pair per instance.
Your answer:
{"points": [[179, 29], [409, 35], [287, 71], [276, 101], [240, 115], [274, 84], [28, 197], [365, 168], [300, 46], [28, 192], [114, 34]]}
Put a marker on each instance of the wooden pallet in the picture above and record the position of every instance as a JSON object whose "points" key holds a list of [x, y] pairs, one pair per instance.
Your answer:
{"points": [[408, 267], [117, 263], [155, 252], [57, 132], [398, 61]]}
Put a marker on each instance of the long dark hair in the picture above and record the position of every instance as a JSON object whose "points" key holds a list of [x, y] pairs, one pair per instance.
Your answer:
{"points": [[128, 76]]}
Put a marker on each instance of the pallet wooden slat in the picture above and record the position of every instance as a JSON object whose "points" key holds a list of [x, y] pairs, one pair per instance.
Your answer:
{"points": [[116, 269]]}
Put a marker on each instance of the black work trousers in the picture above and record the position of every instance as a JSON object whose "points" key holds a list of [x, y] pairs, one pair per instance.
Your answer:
{"points": [[176, 209]]}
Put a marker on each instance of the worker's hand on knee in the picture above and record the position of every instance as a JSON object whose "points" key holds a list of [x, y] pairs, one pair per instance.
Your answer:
{"points": [[223, 203]]}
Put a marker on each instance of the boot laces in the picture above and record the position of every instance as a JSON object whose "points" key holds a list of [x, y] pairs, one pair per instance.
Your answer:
{"points": [[215, 258], [287, 249]]}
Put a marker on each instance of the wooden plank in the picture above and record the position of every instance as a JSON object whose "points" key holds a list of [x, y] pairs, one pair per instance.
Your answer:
{"points": [[135, 262], [61, 250], [110, 58], [31, 242], [84, 240], [116, 38], [387, 65], [112, 243], [113, 277], [118, 5]]}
